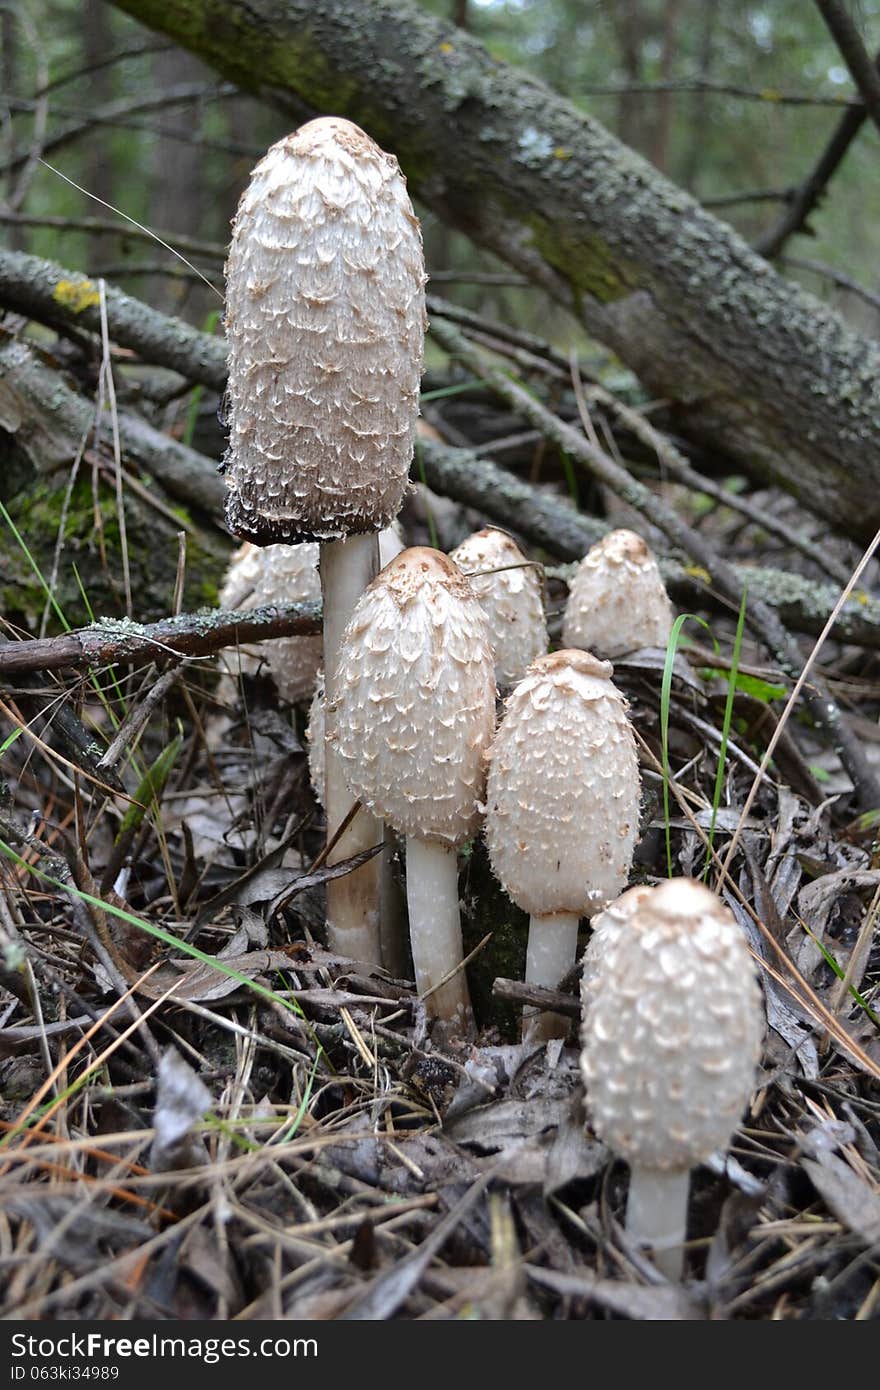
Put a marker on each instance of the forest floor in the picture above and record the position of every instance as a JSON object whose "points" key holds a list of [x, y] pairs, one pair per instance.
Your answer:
{"points": [[207, 1115]]}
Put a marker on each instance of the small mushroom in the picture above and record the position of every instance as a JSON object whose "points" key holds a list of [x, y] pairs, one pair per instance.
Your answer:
{"points": [[618, 601], [671, 1037], [325, 319], [509, 588], [411, 720], [315, 732], [562, 811], [274, 574]]}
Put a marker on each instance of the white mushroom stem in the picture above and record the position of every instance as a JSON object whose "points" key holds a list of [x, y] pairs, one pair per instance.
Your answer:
{"points": [[435, 931], [353, 901], [656, 1215], [551, 952]]}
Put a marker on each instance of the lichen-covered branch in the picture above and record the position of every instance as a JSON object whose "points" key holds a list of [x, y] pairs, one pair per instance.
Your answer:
{"points": [[49, 420], [677, 293], [138, 644], [42, 290]]}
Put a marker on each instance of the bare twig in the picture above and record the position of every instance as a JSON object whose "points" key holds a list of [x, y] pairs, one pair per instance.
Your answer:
{"points": [[136, 644], [853, 52], [837, 277], [210, 250], [182, 95], [808, 196]]}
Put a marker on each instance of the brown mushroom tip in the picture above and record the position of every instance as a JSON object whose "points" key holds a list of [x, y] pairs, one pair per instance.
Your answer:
{"points": [[333, 130], [419, 565], [622, 545], [571, 659]]}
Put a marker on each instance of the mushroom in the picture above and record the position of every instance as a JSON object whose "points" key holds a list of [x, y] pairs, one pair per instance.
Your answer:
{"points": [[562, 811], [275, 574], [315, 734], [326, 319], [411, 720], [671, 1037], [617, 601], [509, 589], [282, 574]]}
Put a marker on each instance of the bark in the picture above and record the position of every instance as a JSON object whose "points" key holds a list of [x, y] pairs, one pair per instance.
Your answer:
{"points": [[748, 358], [140, 644], [66, 299], [49, 420]]}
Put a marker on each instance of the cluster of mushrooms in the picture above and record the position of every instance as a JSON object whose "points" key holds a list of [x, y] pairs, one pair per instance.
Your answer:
{"points": [[326, 321]]}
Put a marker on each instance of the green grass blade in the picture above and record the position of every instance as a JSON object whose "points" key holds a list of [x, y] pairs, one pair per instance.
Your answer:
{"points": [[665, 695], [35, 567], [725, 727]]}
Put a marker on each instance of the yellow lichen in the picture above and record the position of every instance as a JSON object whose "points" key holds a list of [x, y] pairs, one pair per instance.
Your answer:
{"points": [[697, 572], [76, 295]]}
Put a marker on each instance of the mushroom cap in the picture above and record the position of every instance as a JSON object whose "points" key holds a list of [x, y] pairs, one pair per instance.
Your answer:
{"points": [[562, 798], [415, 708], [325, 317], [618, 601], [512, 600], [672, 1027], [315, 739], [276, 574]]}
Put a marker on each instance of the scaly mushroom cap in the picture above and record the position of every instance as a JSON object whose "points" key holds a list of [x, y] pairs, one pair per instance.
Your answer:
{"points": [[672, 1027], [511, 599], [276, 574], [563, 792], [618, 601], [315, 739], [325, 317], [607, 925], [416, 704]]}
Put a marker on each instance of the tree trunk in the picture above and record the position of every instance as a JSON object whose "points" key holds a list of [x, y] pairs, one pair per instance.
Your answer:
{"points": [[750, 360]]}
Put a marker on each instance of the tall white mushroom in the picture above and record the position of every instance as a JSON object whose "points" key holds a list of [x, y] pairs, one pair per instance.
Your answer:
{"points": [[412, 718], [562, 808], [510, 591], [325, 319], [672, 1029], [618, 601]]}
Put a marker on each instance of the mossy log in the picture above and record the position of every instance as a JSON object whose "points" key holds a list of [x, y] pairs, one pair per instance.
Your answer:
{"points": [[749, 360], [45, 427]]}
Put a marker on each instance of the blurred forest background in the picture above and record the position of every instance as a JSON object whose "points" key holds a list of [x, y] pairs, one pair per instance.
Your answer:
{"points": [[733, 100]]}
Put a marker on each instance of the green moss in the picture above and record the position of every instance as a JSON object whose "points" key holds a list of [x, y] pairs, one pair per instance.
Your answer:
{"points": [[37, 512]]}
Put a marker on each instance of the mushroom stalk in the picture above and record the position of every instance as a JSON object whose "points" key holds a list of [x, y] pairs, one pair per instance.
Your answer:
{"points": [[435, 931], [551, 952], [656, 1215], [353, 901]]}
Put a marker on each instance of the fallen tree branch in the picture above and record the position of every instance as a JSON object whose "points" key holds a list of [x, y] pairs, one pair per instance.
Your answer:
{"points": [[62, 298], [681, 298], [49, 419], [137, 644]]}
